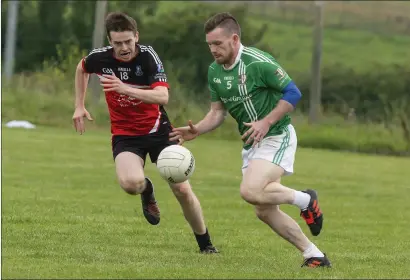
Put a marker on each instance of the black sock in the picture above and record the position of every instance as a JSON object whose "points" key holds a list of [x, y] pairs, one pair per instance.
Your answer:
{"points": [[203, 240]]}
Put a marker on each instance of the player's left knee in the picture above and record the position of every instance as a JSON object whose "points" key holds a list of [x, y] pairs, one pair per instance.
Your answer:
{"points": [[181, 189]]}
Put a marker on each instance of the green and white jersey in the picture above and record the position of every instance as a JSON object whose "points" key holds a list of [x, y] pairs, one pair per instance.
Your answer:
{"points": [[250, 88]]}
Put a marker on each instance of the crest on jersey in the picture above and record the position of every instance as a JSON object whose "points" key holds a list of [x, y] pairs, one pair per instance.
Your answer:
{"points": [[242, 79], [138, 70], [160, 68]]}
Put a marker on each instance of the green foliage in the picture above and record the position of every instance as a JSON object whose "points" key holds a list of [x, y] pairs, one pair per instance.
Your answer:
{"points": [[79, 29], [379, 96], [361, 70], [362, 138], [179, 30], [351, 48], [47, 98]]}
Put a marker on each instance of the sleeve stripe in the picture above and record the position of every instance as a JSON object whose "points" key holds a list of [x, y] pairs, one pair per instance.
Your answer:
{"points": [[100, 50], [152, 53], [259, 56]]}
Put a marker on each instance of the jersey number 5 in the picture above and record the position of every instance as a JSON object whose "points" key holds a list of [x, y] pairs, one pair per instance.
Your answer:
{"points": [[228, 84]]}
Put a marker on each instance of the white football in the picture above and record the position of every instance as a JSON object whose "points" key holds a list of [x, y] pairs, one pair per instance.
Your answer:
{"points": [[176, 164]]}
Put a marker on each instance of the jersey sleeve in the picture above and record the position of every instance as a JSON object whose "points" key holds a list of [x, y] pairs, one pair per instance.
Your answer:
{"points": [[273, 76], [214, 94], [90, 63], [155, 70]]}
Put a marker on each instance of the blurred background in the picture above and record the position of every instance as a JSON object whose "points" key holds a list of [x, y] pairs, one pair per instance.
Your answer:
{"points": [[350, 59]]}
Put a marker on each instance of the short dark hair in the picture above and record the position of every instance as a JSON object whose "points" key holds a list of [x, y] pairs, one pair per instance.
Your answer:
{"points": [[119, 22], [225, 21]]}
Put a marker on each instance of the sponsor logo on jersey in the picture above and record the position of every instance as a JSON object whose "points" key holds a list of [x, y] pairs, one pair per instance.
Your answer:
{"points": [[138, 70], [217, 80], [242, 79], [160, 68], [124, 69], [235, 98], [229, 78], [127, 101]]}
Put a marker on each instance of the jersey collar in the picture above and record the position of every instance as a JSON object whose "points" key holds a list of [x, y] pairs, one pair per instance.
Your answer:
{"points": [[238, 57]]}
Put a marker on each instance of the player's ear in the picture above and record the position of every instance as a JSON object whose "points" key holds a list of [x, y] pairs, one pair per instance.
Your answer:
{"points": [[137, 36], [109, 41]]}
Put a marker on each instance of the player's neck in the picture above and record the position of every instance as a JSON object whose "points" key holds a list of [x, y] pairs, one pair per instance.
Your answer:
{"points": [[231, 62], [135, 53], [233, 58]]}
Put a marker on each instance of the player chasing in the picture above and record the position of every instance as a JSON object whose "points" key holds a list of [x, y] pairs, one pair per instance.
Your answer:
{"points": [[259, 94], [136, 88]]}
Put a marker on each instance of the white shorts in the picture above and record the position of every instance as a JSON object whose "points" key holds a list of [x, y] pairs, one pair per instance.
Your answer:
{"points": [[278, 149]]}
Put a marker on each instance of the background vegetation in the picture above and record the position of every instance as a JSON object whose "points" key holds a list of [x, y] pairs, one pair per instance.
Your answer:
{"points": [[366, 64]]}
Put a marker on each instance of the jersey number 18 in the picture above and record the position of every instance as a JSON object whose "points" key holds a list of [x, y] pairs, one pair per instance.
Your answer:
{"points": [[124, 75]]}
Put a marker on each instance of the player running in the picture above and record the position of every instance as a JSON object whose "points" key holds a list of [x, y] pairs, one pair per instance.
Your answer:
{"points": [[259, 94], [136, 88]]}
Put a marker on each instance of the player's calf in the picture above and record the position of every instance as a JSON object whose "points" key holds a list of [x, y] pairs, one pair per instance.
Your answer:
{"points": [[264, 212], [193, 214]]}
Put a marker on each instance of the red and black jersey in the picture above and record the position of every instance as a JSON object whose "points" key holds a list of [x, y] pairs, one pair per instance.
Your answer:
{"points": [[130, 116]]}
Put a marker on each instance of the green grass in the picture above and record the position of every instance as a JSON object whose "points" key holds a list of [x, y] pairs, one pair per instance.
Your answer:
{"points": [[64, 216]]}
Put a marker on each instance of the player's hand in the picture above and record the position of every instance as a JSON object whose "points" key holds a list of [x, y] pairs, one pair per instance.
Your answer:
{"points": [[257, 130], [186, 133], [181, 141], [78, 118], [112, 83]]}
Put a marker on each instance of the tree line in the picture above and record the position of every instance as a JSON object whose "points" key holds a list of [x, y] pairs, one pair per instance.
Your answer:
{"points": [[46, 28]]}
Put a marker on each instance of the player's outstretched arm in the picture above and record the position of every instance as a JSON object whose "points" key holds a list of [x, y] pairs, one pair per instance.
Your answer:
{"points": [[81, 81], [212, 120]]}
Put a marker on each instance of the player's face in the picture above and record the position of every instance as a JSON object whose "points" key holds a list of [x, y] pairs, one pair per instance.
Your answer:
{"points": [[123, 44], [222, 44]]}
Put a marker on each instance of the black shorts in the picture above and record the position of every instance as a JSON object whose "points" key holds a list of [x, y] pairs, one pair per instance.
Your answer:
{"points": [[141, 145]]}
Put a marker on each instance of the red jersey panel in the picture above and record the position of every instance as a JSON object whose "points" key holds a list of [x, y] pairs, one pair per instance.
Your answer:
{"points": [[128, 115]]}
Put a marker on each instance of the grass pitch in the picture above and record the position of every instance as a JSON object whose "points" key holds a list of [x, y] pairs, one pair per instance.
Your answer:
{"points": [[64, 215]]}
